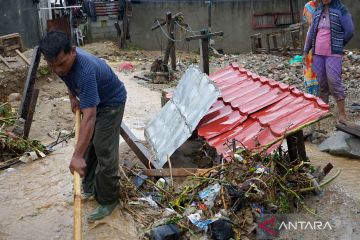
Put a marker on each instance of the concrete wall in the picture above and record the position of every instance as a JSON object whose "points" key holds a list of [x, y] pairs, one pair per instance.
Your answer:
{"points": [[232, 17], [20, 16], [103, 28]]}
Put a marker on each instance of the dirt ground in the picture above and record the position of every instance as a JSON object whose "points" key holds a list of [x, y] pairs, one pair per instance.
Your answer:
{"points": [[36, 198]]}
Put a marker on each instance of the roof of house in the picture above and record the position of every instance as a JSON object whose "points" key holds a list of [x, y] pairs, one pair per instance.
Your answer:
{"points": [[256, 111]]}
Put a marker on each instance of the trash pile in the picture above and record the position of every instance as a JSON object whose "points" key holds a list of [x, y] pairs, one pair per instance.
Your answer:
{"points": [[222, 202], [14, 149]]}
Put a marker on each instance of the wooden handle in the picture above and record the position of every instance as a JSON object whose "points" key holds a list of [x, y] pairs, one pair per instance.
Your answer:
{"points": [[77, 188]]}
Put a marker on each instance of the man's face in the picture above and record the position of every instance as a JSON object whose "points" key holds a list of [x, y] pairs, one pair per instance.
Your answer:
{"points": [[326, 2], [63, 62]]}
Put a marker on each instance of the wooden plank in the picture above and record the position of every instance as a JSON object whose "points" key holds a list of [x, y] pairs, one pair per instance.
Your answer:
{"points": [[353, 130], [29, 84], [23, 57], [176, 172], [12, 35], [4, 61], [31, 111], [139, 149]]}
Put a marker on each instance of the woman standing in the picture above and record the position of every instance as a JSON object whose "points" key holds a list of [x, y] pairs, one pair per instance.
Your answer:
{"points": [[310, 82], [331, 29]]}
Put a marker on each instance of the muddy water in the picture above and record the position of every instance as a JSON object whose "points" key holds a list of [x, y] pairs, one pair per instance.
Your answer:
{"points": [[350, 176], [36, 198]]}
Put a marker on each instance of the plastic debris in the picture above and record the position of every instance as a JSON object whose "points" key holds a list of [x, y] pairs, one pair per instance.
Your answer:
{"points": [[209, 194], [261, 169], [28, 157], [238, 157], [161, 183], [195, 219], [221, 229], [296, 59], [126, 67], [149, 200], [165, 232], [139, 180], [10, 170]]}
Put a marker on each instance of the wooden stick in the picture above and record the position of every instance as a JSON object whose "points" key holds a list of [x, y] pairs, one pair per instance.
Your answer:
{"points": [[23, 57], [77, 189], [171, 173]]}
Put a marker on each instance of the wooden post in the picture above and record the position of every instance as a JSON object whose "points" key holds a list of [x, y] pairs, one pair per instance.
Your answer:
{"points": [[276, 48], [77, 189], [170, 48], [268, 47], [296, 146], [205, 38], [31, 111], [29, 84], [205, 52]]}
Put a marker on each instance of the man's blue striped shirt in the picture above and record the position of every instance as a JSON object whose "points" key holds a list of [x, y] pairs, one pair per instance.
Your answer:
{"points": [[94, 82]]}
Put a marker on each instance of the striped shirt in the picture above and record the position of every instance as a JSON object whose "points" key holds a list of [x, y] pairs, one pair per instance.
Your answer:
{"points": [[309, 8], [94, 82]]}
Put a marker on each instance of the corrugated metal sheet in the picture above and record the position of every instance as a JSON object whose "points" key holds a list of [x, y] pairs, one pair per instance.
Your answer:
{"points": [[176, 121], [256, 111]]}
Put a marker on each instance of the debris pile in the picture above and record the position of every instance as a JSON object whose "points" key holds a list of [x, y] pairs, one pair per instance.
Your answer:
{"points": [[224, 201], [14, 149]]}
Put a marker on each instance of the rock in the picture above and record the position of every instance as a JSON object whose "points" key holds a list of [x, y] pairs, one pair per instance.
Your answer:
{"points": [[13, 97], [342, 144]]}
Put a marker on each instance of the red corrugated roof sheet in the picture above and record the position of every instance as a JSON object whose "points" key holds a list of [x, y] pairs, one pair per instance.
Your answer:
{"points": [[256, 111]]}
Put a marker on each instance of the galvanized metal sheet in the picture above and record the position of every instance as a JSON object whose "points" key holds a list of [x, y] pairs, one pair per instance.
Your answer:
{"points": [[176, 121]]}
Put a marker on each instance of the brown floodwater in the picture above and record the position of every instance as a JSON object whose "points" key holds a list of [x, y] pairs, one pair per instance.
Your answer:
{"points": [[349, 178]]}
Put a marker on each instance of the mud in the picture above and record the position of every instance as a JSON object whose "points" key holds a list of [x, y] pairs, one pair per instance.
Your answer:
{"points": [[36, 198]]}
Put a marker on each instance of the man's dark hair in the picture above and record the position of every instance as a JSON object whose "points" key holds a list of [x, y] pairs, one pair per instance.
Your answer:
{"points": [[53, 43]]}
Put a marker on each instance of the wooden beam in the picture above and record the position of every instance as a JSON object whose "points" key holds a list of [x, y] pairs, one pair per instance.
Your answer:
{"points": [[139, 149], [31, 111], [353, 130], [23, 57], [176, 172], [29, 84], [4, 61], [205, 36]]}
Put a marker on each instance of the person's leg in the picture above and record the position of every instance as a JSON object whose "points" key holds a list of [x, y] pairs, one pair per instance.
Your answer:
{"points": [[320, 71], [89, 178], [106, 143], [333, 72]]}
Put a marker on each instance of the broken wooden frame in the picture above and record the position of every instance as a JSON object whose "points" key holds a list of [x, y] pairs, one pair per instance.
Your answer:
{"points": [[285, 41], [10, 42]]}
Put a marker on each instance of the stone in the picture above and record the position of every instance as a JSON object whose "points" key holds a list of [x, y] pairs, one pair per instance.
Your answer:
{"points": [[13, 97], [342, 144]]}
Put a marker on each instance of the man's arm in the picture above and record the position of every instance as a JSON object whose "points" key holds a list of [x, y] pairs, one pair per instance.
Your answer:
{"points": [[87, 127], [73, 101]]}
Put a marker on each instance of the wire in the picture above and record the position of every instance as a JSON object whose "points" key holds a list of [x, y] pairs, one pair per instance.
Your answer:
{"points": [[187, 29], [165, 33]]}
